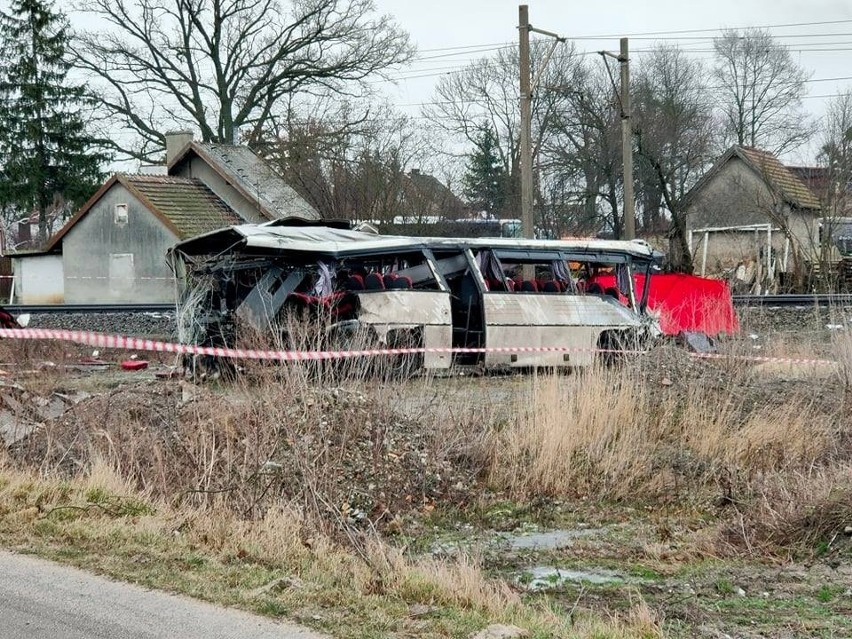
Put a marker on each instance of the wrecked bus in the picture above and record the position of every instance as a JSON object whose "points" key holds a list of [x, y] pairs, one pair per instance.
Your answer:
{"points": [[469, 302]]}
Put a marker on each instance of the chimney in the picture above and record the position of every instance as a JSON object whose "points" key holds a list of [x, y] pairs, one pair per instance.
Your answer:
{"points": [[175, 141]]}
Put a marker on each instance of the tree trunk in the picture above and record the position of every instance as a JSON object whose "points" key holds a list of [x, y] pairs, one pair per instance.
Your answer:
{"points": [[680, 257]]}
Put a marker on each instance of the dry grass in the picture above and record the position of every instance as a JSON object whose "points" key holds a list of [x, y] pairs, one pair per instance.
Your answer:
{"points": [[299, 470], [609, 436], [807, 509], [842, 353], [213, 553], [768, 453]]}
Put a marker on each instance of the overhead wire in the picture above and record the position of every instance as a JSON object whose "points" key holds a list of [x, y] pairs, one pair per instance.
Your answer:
{"points": [[690, 44], [652, 35], [412, 73]]}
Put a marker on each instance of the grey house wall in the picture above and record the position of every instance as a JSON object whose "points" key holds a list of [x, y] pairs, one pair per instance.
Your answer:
{"points": [[198, 168], [107, 261], [737, 196]]}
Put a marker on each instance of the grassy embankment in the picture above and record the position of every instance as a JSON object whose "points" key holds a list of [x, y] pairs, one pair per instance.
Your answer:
{"points": [[284, 496]]}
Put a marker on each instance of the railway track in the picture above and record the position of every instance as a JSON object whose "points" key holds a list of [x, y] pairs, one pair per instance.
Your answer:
{"points": [[810, 300], [38, 309], [739, 300]]}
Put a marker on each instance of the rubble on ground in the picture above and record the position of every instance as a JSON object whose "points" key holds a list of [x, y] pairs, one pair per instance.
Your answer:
{"points": [[22, 411]]}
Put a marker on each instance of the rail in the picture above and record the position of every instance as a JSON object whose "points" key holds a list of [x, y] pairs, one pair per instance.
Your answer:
{"points": [[739, 300], [823, 299], [36, 309]]}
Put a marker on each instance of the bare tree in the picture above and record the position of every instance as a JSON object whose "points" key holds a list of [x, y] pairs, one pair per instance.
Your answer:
{"points": [[349, 171], [836, 155], [674, 136], [220, 66], [485, 94], [834, 188], [584, 153], [760, 89]]}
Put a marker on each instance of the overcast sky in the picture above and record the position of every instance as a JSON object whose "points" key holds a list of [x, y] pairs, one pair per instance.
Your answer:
{"points": [[825, 50], [440, 27]]}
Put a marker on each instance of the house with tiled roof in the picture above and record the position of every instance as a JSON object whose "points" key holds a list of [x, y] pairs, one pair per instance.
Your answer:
{"points": [[239, 177], [747, 202], [114, 248]]}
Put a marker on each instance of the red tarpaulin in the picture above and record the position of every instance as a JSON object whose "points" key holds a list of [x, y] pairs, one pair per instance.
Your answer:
{"points": [[686, 302]]}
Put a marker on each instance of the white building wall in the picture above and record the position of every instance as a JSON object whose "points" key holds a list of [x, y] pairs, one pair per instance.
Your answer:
{"points": [[38, 279]]}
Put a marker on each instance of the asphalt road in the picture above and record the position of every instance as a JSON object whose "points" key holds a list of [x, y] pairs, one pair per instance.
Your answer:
{"points": [[43, 600]]}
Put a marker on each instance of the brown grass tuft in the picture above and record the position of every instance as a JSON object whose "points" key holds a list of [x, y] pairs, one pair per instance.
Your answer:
{"points": [[608, 436]]}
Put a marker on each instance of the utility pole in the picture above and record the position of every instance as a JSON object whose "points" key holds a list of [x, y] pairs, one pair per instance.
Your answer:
{"points": [[527, 221], [627, 144], [626, 139], [528, 86]]}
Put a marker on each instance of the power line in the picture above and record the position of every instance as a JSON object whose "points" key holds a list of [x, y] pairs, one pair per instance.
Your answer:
{"points": [[464, 46], [462, 49], [686, 46], [415, 74], [690, 47], [717, 29], [777, 36]]}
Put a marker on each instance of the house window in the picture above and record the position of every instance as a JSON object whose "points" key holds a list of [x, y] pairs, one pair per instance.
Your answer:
{"points": [[120, 213]]}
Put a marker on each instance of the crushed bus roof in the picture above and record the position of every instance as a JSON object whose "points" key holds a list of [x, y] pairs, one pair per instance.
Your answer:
{"points": [[338, 242]]}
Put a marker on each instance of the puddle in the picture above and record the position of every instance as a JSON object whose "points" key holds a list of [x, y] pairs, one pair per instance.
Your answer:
{"points": [[518, 542], [549, 540], [548, 577]]}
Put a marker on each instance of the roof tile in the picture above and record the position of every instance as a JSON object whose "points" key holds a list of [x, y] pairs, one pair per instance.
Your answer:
{"points": [[781, 178], [257, 179], [185, 202]]}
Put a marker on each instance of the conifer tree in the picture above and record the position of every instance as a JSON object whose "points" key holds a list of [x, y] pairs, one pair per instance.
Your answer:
{"points": [[46, 153], [486, 180]]}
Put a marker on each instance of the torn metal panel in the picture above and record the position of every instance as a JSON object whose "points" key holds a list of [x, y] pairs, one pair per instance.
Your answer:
{"points": [[385, 311], [265, 300], [14, 429], [22, 412], [532, 310], [336, 241], [579, 339], [553, 321], [404, 307]]}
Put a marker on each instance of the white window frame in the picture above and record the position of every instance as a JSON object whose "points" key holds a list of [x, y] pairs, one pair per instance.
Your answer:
{"points": [[121, 213]]}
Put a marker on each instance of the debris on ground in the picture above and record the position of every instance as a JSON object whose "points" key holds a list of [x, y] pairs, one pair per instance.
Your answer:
{"points": [[697, 342], [134, 364], [22, 411]]}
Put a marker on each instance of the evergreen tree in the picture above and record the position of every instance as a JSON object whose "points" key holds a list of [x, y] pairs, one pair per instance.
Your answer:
{"points": [[46, 153], [486, 179]]}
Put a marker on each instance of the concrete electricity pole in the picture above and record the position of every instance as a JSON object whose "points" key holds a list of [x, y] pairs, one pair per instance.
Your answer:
{"points": [[626, 139], [627, 145], [528, 85], [527, 221]]}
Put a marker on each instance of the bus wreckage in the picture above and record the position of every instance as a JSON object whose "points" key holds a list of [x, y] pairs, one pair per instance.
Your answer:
{"points": [[489, 298]]}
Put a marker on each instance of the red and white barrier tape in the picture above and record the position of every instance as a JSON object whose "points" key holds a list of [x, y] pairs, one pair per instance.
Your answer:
{"points": [[101, 340], [764, 358], [122, 342]]}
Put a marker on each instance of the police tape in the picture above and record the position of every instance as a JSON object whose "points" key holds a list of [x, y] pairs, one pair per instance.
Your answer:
{"points": [[766, 359], [124, 342]]}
